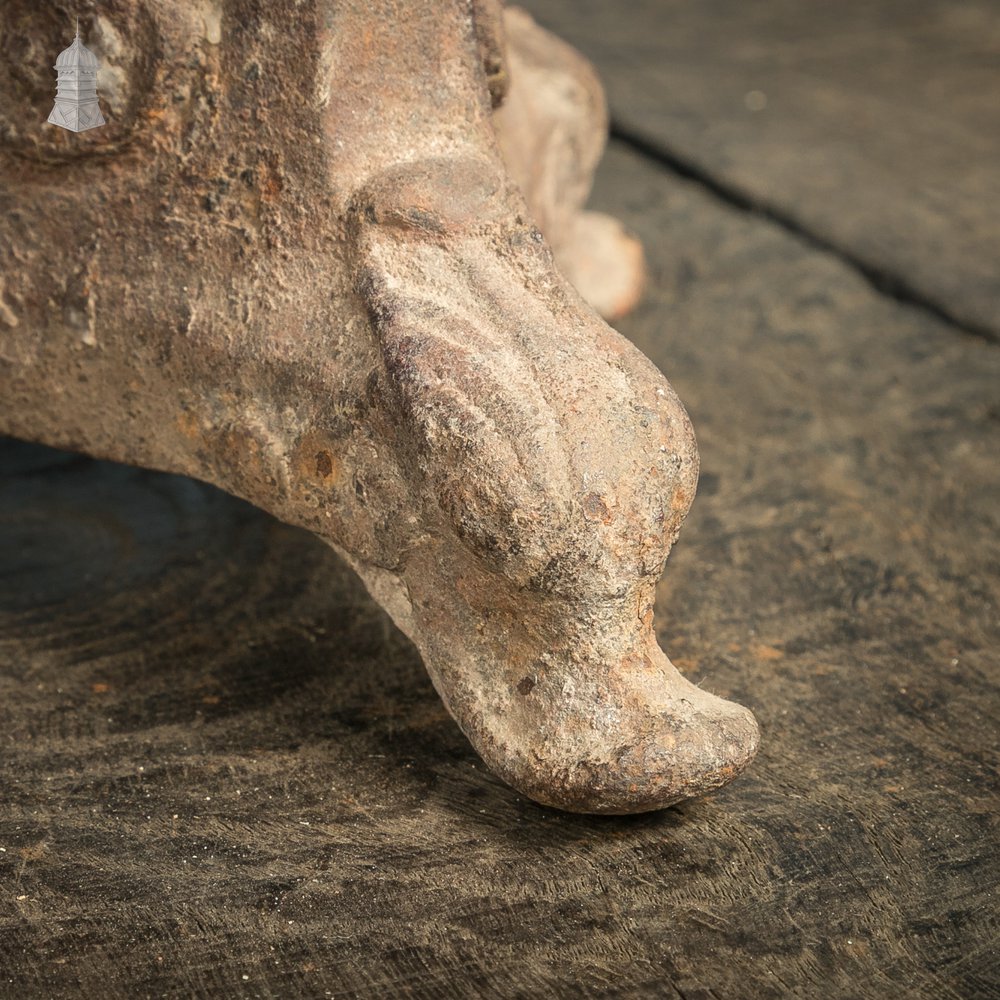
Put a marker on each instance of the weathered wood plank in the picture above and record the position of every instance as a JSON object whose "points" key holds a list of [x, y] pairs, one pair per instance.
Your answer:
{"points": [[874, 126], [221, 761]]}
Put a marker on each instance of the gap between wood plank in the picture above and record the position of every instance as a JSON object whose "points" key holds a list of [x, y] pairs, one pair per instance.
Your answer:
{"points": [[884, 282]]}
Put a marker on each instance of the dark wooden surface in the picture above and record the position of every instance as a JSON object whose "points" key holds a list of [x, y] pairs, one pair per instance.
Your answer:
{"points": [[225, 774], [873, 126]]}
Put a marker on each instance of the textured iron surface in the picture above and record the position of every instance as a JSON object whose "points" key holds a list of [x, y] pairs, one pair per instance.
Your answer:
{"points": [[302, 263]]}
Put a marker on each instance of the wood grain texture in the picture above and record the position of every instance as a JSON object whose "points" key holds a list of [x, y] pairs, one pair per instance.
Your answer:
{"points": [[226, 775], [875, 127]]}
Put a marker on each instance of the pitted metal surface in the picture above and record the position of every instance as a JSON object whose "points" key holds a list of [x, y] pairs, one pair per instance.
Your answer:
{"points": [[320, 256]]}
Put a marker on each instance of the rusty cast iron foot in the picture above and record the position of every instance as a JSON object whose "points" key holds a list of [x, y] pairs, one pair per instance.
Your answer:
{"points": [[303, 261]]}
